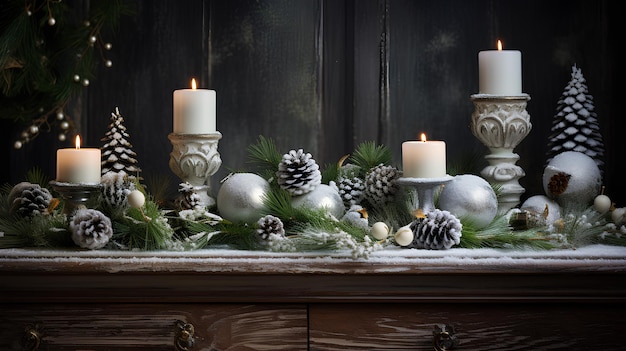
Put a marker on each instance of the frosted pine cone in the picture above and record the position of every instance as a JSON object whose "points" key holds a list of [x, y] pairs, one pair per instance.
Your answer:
{"points": [[269, 225], [115, 188], [351, 190], [91, 229], [28, 200], [188, 199], [298, 173], [380, 186], [438, 230]]}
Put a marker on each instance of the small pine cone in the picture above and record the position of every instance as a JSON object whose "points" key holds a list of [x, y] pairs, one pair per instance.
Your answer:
{"points": [[188, 199], [270, 225], [380, 185], [351, 190], [298, 173], [29, 200], [436, 231], [115, 188], [91, 229]]}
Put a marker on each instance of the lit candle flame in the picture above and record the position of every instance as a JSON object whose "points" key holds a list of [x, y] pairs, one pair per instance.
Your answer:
{"points": [[193, 83], [423, 136], [499, 45], [78, 142]]}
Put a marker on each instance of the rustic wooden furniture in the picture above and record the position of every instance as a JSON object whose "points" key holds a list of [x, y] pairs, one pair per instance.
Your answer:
{"points": [[232, 300]]}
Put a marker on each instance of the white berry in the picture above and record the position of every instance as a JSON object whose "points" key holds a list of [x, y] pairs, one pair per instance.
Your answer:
{"points": [[602, 203], [380, 230], [404, 236], [619, 215], [136, 199]]}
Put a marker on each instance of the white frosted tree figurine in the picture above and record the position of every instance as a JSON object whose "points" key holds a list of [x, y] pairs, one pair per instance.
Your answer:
{"points": [[575, 126], [117, 152]]}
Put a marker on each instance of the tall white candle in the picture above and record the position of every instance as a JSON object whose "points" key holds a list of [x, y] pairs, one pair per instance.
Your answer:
{"points": [[500, 72], [424, 159], [194, 110], [79, 166]]}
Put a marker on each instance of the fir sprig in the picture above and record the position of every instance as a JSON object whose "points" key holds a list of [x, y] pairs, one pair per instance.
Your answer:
{"points": [[134, 231], [368, 155], [265, 156], [498, 234]]}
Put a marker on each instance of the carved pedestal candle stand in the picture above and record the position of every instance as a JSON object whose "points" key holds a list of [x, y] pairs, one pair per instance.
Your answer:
{"points": [[501, 123], [194, 159]]}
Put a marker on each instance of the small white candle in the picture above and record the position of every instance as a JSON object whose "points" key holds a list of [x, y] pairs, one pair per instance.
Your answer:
{"points": [[194, 110], [500, 72], [79, 166], [424, 159]]}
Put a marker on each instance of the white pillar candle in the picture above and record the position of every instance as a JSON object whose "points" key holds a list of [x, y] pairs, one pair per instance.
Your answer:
{"points": [[424, 159], [194, 110], [78, 166], [500, 72]]}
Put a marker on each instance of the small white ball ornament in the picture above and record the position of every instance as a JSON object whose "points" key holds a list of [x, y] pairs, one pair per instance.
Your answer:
{"points": [[380, 230], [470, 196], [51, 21], [404, 236], [62, 137], [136, 199], [602, 203], [322, 197], [108, 63], [241, 197], [572, 177], [17, 145], [619, 216]]}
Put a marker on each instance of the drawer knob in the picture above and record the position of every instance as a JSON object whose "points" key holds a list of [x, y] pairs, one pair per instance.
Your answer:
{"points": [[31, 339], [184, 339], [444, 337]]}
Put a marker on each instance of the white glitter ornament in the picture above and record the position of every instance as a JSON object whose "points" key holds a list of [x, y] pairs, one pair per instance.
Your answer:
{"points": [[472, 197], [380, 230], [619, 215], [572, 177], [241, 197], [536, 206], [322, 197]]}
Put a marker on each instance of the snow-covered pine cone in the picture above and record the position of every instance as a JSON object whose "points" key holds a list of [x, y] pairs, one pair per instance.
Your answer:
{"points": [[270, 225], [438, 230], [187, 199], [91, 229], [115, 188], [298, 173], [351, 190], [28, 200], [380, 185]]}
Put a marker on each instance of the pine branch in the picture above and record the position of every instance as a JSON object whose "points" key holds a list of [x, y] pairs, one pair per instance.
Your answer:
{"points": [[264, 155], [368, 155]]}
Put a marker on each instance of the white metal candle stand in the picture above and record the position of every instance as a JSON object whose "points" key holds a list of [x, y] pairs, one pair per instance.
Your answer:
{"points": [[425, 190]]}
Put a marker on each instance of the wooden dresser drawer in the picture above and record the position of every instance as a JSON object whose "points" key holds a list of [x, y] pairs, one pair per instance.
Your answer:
{"points": [[154, 326], [502, 326]]}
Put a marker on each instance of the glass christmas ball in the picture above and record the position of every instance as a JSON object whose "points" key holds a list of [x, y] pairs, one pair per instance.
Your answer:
{"points": [[472, 197], [323, 196], [241, 197]]}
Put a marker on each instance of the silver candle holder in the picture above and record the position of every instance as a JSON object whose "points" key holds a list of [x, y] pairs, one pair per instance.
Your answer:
{"points": [[194, 159], [74, 195], [425, 190], [501, 123]]}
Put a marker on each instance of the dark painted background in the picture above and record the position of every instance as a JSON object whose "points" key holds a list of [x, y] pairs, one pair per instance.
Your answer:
{"points": [[327, 75]]}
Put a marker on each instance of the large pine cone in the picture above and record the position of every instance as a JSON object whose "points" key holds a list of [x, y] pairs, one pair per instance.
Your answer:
{"points": [[380, 185], [28, 200], [91, 229], [298, 173], [436, 231]]}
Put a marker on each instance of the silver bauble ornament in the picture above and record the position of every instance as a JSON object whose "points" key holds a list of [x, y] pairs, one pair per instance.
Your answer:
{"points": [[323, 196], [571, 178], [472, 197], [542, 208], [241, 197]]}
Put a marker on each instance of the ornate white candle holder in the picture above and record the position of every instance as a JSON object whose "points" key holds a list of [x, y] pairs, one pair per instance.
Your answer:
{"points": [[194, 159], [501, 123], [74, 195], [425, 190]]}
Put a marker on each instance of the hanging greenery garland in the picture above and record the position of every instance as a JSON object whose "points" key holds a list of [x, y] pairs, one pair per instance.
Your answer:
{"points": [[50, 51]]}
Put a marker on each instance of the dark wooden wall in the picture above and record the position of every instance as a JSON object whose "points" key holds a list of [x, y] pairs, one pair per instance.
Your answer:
{"points": [[325, 75]]}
